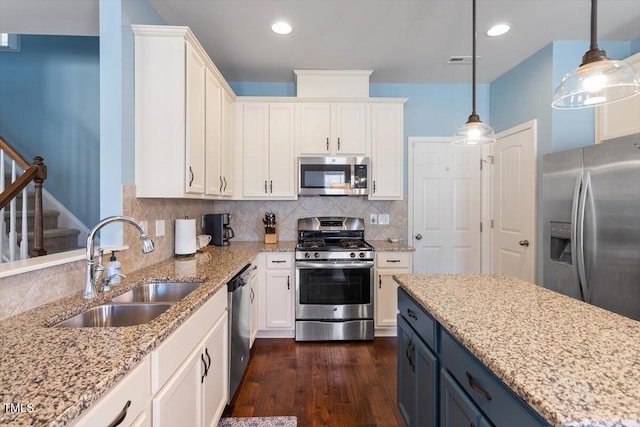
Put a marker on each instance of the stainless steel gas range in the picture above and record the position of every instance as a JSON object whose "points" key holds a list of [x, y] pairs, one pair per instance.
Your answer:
{"points": [[334, 280]]}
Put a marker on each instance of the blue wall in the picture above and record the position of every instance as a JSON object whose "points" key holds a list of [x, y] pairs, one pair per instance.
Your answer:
{"points": [[635, 46], [432, 109], [50, 106], [117, 103]]}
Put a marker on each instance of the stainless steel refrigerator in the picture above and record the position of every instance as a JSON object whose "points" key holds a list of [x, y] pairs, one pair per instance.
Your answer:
{"points": [[591, 220]]}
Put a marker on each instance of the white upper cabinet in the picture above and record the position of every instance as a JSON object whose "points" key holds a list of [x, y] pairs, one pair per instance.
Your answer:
{"points": [[387, 130], [179, 124], [334, 129], [619, 118], [268, 145]]}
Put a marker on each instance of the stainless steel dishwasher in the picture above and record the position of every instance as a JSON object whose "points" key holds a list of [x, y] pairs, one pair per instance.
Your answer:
{"points": [[239, 304]]}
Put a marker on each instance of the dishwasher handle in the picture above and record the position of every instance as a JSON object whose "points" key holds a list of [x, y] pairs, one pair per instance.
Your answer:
{"points": [[240, 279]]}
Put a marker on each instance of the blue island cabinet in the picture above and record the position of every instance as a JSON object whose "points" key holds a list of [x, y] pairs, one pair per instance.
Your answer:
{"points": [[441, 383]]}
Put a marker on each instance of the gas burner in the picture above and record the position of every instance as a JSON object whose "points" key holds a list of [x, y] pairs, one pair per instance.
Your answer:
{"points": [[351, 243], [313, 243]]}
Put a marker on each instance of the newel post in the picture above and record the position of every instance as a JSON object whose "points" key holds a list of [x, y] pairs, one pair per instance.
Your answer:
{"points": [[38, 219]]}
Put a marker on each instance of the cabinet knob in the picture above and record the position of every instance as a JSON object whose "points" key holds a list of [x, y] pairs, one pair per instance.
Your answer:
{"points": [[524, 243], [418, 236]]}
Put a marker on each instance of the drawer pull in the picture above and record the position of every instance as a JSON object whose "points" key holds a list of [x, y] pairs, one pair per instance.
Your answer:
{"points": [[393, 260], [278, 261], [476, 387], [412, 314], [121, 416], [205, 368]]}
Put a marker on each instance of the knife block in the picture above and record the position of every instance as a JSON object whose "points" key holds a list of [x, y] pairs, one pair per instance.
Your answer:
{"points": [[272, 237]]}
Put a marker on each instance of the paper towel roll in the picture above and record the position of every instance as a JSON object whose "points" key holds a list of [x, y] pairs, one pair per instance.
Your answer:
{"points": [[185, 237]]}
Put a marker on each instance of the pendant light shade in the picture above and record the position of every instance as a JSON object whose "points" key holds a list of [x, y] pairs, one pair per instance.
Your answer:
{"points": [[474, 132], [598, 80]]}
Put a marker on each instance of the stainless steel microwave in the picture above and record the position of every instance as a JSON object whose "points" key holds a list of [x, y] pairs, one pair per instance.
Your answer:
{"points": [[333, 176]]}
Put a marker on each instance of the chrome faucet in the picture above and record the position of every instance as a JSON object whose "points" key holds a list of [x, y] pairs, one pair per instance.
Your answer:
{"points": [[95, 271]]}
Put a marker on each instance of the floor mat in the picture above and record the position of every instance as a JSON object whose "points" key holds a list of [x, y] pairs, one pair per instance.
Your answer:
{"points": [[258, 422]]}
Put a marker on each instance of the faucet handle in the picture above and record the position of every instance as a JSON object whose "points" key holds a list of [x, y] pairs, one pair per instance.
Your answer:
{"points": [[100, 255]]}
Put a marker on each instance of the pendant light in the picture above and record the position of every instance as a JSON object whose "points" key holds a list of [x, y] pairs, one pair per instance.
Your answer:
{"points": [[598, 80], [474, 132]]}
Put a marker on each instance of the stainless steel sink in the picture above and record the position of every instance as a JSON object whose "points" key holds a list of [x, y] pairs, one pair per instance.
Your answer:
{"points": [[158, 292], [115, 315]]}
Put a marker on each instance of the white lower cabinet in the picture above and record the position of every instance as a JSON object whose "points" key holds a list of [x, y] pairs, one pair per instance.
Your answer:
{"points": [[127, 403], [253, 322], [386, 289], [189, 371], [276, 296]]}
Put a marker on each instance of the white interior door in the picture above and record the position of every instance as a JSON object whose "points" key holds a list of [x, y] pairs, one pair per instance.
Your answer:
{"points": [[446, 210], [514, 195]]}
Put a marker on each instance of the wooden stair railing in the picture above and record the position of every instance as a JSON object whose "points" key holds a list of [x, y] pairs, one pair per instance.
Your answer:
{"points": [[36, 172]]}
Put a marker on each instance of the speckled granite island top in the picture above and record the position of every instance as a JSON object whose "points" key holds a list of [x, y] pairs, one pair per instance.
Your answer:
{"points": [[61, 371], [575, 364]]}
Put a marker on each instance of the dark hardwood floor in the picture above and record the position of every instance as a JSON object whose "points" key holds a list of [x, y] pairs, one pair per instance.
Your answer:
{"points": [[338, 384]]}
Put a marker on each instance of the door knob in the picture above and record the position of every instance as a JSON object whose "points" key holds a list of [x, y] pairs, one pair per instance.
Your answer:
{"points": [[524, 242], [418, 236]]}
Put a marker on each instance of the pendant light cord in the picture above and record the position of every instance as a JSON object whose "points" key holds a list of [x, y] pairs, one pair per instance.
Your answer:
{"points": [[594, 24], [473, 63]]}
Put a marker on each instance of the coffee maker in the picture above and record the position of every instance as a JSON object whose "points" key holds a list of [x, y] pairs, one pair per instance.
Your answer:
{"points": [[217, 226]]}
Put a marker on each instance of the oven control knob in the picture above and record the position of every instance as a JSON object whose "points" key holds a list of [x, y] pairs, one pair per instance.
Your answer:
{"points": [[307, 255], [352, 255], [316, 255], [361, 254]]}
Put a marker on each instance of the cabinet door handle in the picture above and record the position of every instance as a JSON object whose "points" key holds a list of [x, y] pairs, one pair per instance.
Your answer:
{"points": [[327, 144], [374, 186], [265, 186], [121, 416], [393, 260], [221, 184], [206, 351], [288, 283], [476, 387], [412, 314], [270, 186], [205, 368], [338, 144], [251, 296], [225, 182], [190, 176], [523, 243], [379, 281], [409, 355]]}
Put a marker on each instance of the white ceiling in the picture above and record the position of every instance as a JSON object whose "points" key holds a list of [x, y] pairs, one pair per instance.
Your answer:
{"points": [[403, 41]]}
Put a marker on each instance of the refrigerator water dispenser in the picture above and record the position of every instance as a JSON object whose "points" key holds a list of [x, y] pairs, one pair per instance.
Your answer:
{"points": [[560, 244]]}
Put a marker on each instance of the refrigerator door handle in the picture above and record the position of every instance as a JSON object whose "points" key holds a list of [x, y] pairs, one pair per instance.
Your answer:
{"points": [[574, 226], [582, 275]]}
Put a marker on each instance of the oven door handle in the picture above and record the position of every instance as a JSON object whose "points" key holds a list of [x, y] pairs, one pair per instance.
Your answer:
{"points": [[328, 265]]}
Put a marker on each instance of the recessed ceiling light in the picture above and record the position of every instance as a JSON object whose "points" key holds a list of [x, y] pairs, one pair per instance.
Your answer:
{"points": [[281, 28], [498, 30]]}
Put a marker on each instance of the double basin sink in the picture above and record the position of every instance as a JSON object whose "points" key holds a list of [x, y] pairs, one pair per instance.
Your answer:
{"points": [[137, 306]]}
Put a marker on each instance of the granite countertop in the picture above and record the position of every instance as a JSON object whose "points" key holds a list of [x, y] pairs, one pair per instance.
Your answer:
{"points": [[61, 371], [387, 246], [574, 363]]}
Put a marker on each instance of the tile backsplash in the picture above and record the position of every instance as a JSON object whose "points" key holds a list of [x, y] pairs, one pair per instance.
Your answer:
{"points": [[28, 290], [246, 216]]}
